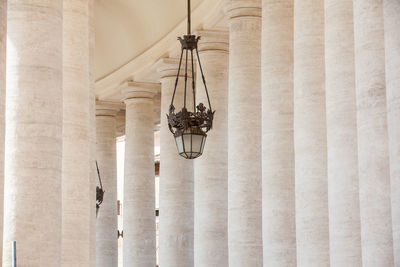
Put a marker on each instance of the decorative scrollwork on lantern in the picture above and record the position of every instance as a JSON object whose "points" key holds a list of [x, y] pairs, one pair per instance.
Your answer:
{"points": [[203, 118]]}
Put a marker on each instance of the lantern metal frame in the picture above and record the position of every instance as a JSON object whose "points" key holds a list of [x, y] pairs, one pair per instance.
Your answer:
{"points": [[99, 191], [200, 120]]}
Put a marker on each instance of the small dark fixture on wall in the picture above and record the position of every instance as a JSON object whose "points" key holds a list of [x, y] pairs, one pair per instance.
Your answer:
{"points": [[120, 234], [99, 191], [119, 204], [190, 126]]}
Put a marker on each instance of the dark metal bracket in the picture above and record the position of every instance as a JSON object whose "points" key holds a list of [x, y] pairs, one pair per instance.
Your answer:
{"points": [[99, 191]]}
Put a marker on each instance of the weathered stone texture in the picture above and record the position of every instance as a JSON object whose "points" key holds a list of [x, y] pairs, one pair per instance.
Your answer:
{"points": [[107, 218], [33, 151], [279, 225], [3, 41], [211, 169], [139, 246], [392, 52], [311, 186], [176, 228], [244, 135], [76, 179], [341, 120], [373, 149]]}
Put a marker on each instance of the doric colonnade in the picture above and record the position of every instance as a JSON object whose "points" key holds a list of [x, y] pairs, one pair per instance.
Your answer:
{"points": [[302, 167]]}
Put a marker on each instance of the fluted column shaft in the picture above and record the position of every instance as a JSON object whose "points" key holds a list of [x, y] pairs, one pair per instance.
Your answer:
{"points": [[33, 150], [176, 180], [139, 247], [392, 52], [312, 231], [341, 120], [211, 169], [76, 146], [3, 41], [279, 225], [107, 220], [373, 149], [244, 138]]}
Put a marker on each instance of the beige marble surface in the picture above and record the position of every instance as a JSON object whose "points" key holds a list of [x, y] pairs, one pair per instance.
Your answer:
{"points": [[107, 220], [211, 169], [76, 179], [392, 70], [139, 243], [34, 133], [92, 134], [244, 135], [3, 41], [373, 152], [176, 181], [311, 186], [279, 225], [341, 121]]}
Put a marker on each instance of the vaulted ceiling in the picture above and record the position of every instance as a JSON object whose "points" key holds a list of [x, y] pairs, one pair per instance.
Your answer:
{"points": [[127, 28]]}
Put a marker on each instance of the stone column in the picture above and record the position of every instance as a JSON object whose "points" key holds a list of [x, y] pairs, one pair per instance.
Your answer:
{"points": [[33, 150], [373, 147], [176, 180], [76, 146], [3, 40], [311, 183], [211, 169], [392, 52], [92, 134], [139, 247], [244, 138], [107, 218], [341, 121], [279, 225]]}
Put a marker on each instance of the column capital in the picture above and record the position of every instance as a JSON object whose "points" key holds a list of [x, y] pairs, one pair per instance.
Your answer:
{"points": [[107, 108], [213, 40], [168, 67], [243, 8], [139, 90]]}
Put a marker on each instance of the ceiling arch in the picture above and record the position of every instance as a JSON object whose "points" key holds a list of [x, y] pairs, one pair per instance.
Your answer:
{"points": [[127, 28]]}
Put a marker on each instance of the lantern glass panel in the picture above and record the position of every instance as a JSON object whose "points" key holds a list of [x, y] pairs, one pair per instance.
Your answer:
{"points": [[179, 143], [203, 144], [187, 142], [196, 143], [191, 142]]}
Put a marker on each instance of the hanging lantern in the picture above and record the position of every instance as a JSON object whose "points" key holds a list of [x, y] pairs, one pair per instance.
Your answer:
{"points": [[190, 127]]}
